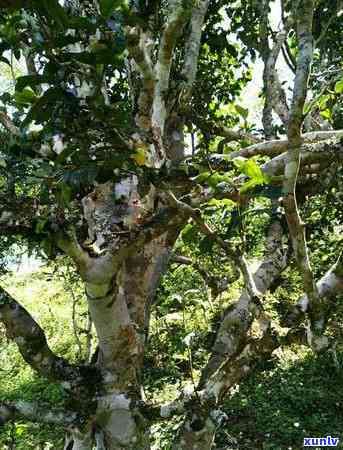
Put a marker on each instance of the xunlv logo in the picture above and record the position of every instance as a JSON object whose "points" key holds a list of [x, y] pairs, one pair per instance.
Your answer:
{"points": [[322, 442]]}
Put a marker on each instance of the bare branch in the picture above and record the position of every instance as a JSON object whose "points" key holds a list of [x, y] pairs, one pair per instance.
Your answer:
{"points": [[276, 94], [8, 124], [139, 50], [328, 287], [177, 18], [35, 412], [237, 319], [192, 46], [33, 346], [292, 166], [68, 243], [278, 146]]}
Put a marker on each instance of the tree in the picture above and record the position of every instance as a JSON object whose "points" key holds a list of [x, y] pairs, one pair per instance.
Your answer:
{"points": [[94, 164]]}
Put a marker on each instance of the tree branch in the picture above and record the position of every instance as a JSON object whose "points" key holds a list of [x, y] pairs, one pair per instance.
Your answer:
{"points": [[278, 146], [33, 346], [192, 46], [276, 94], [292, 166], [177, 18], [68, 243], [216, 284], [8, 124], [233, 329], [139, 50], [35, 412], [328, 287]]}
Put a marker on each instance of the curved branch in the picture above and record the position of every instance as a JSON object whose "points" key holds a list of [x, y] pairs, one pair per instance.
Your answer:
{"points": [[177, 18], [68, 243], [292, 166], [328, 287], [31, 341], [237, 319]]}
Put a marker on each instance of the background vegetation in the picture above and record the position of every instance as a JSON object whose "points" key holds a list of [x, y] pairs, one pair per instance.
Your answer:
{"points": [[293, 395]]}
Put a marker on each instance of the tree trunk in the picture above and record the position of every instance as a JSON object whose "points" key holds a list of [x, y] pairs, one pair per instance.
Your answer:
{"points": [[75, 440], [197, 434], [119, 299]]}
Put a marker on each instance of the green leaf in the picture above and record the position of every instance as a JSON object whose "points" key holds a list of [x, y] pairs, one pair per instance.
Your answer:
{"points": [[326, 114], [252, 170], [221, 203], [108, 6], [29, 80], [189, 233], [40, 225], [54, 10], [206, 244], [249, 185], [323, 101], [139, 157], [38, 110], [243, 112], [239, 162], [25, 97], [339, 87], [204, 176]]}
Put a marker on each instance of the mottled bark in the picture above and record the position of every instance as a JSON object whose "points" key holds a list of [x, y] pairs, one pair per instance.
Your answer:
{"points": [[77, 440], [234, 352], [35, 412], [192, 47], [31, 341], [238, 318], [119, 302], [295, 225], [329, 286]]}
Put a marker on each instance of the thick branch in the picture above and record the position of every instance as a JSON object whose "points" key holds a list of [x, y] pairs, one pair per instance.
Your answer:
{"points": [[328, 287], [275, 93], [192, 46], [177, 18], [278, 146], [292, 166], [139, 50], [237, 319], [6, 121], [34, 412], [32, 343], [68, 243]]}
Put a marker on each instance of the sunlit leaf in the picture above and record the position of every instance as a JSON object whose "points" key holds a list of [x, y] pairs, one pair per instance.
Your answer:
{"points": [[339, 86]]}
